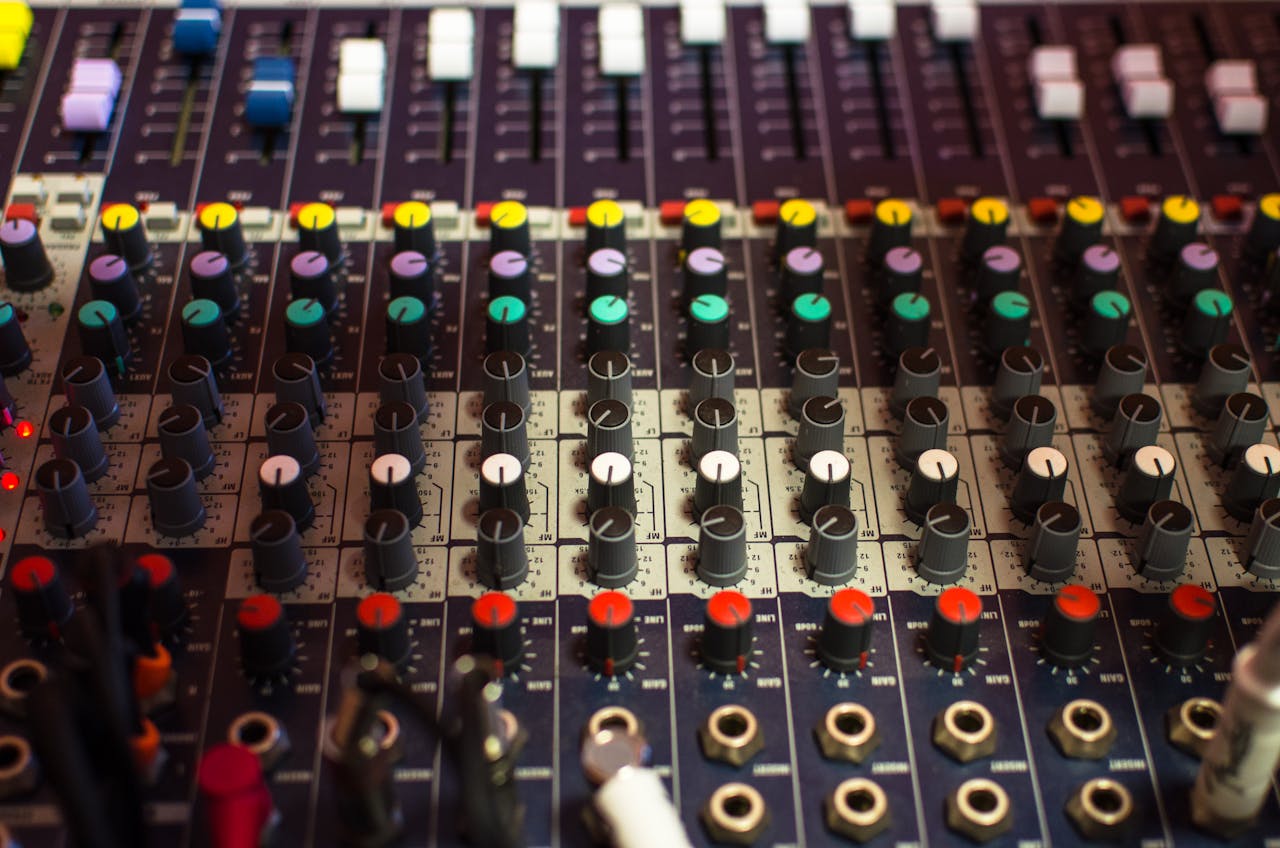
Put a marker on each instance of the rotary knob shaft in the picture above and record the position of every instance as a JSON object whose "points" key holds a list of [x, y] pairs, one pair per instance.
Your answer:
{"points": [[1055, 537], [831, 557], [502, 560], [952, 637], [496, 630], [722, 546], [1067, 635], [844, 642], [390, 561], [727, 633], [279, 564], [267, 647], [1185, 628], [613, 640], [382, 629]]}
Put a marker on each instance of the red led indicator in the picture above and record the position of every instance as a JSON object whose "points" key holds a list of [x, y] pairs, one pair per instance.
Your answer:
{"points": [[25, 429], [9, 481]]}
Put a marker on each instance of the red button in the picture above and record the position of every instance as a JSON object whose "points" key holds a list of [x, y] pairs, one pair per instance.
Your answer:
{"points": [[1135, 209], [852, 607], [952, 210], [494, 610], [484, 212], [765, 211], [1043, 210], [1227, 207], [389, 214], [21, 212], [859, 211], [671, 213], [295, 209], [1078, 602]]}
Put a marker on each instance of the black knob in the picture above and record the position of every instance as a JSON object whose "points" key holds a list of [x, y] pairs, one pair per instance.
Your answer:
{"points": [[1254, 480], [26, 265], [610, 482], [1041, 479], [924, 427], [902, 273], [718, 481], [609, 429], [951, 640], [907, 324], [176, 507], [15, 352], [727, 633], [1030, 426], [1008, 321], [266, 640], [609, 376], [1207, 322], [1262, 547], [919, 374], [125, 234], [68, 511], [400, 379], [102, 334], [318, 230], [801, 269], [169, 610], [1123, 371], [86, 383], [1136, 424], [999, 269], [708, 324], [183, 436], [608, 324], [507, 325], [722, 546], [279, 564], [844, 641], [611, 547], [282, 485], [816, 372], [986, 226], [1055, 537], [204, 332], [382, 629], [1098, 271], [1018, 374], [808, 324], [110, 279], [706, 272], [220, 232], [395, 430], [413, 228], [828, 480], [943, 554], [607, 274], [1066, 637], [606, 226], [1106, 322], [502, 560], [1148, 479], [700, 225], [289, 433], [306, 330], [1185, 628], [509, 228], [496, 630], [934, 480], [1163, 541], [41, 598], [211, 279], [1081, 228], [392, 485], [411, 275], [408, 328], [390, 561], [890, 228], [797, 226], [510, 275], [192, 382], [715, 427], [503, 430], [831, 557], [75, 437], [1175, 227], [1243, 421], [714, 373], [612, 643], [297, 380], [502, 484], [821, 428], [1196, 269]]}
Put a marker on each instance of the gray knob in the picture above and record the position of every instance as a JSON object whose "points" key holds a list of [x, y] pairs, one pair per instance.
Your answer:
{"points": [[282, 485], [393, 486], [502, 484], [924, 427], [176, 508], [279, 564], [610, 482], [817, 372], [713, 375], [609, 377], [1020, 373], [506, 378], [395, 430], [919, 374], [64, 499], [1164, 540], [1149, 478], [722, 546], [1241, 422], [502, 560], [1135, 425], [999, 269], [1256, 478], [828, 481], [1196, 269], [192, 382], [821, 428], [390, 562], [943, 555], [1123, 371], [719, 481], [1030, 426], [289, 433], [715, 427], [298, 380], [87, 384], [832, 555], [1226, 370], [1262, 546], [400, 379], [611, 547], [1042, 478], [609, 428], [183, 436], [503, 430], [934, 480], [1055, 536], [75, 436]]}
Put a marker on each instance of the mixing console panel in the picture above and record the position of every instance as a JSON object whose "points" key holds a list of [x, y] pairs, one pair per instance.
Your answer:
{"points": [[647, 425]]}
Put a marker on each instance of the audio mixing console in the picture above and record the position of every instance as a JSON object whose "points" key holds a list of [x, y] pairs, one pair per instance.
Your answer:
{"points": [[639, 424]]}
